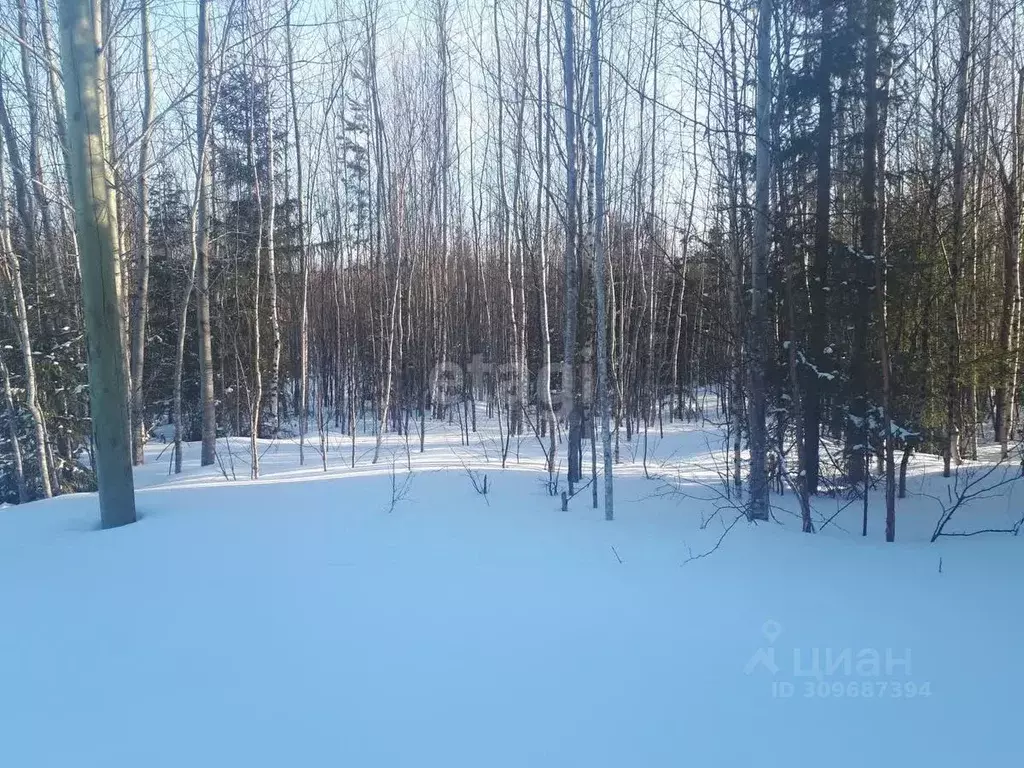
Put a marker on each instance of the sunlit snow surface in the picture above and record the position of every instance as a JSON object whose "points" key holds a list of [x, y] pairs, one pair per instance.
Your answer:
{"points": [[365, 617]]}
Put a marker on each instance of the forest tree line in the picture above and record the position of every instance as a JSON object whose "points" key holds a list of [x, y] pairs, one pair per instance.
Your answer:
{"points": [[809, 209]]}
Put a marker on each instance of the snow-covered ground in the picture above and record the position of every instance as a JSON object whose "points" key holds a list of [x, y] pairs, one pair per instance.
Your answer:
{"points": [[377, 617]]}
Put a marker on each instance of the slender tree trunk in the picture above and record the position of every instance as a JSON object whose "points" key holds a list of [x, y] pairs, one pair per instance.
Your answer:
{"points": [[800, 482], [209, 419], [956, 256], [1017, 248], [140, 305], [256, 389], [122, 240], [822, 249], [601, 321], [571, 383], [20, 175], [303, 263], [758, 502], [11, 416], [870, 243], [96, 222], [179, 357], [40, 194], [544, 223], [53, 81], [270, 195], [13, 270], [736, 292], [1009, 317]]}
